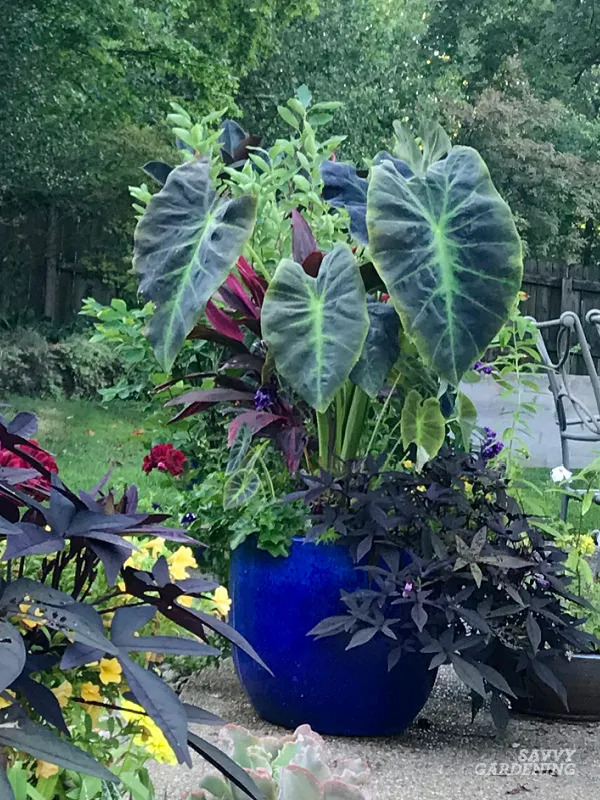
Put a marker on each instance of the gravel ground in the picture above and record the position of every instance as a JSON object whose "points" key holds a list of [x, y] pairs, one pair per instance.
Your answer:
{"points": [[440, 756]]}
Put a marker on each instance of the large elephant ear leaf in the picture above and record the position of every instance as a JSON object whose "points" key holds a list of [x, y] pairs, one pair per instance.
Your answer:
{"points": [[432, 144], [344, 188], [381, 348], [185, 245], [316, 327], [447, 248], [422, 424]]}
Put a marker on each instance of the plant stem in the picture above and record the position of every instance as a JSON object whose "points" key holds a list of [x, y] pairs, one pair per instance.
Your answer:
{"points": [[323, 430], [383, 412], [268, 474], [340, 418], [355, 424], [256, 262]]}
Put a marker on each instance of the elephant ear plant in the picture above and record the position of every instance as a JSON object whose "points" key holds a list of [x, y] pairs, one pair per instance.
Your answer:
{"points": [[56, 545], [435, 270]]}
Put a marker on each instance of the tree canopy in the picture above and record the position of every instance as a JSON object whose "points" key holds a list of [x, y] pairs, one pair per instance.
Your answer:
{"points": [[519, 80]]}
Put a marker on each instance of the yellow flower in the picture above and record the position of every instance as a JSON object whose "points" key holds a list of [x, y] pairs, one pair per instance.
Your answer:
{"points": [[5, 703], [222, 601], [587, 545], [185, 600], [179, 561], [89, 692], [155, 546], [408, 464], [150, 737], [468, 488], [45, 770], [25, 608], [421, 488], [63, 693], [110, 671]]}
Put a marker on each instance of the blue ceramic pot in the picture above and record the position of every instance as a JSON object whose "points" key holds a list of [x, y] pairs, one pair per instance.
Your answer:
{"points": [[276, 602]]}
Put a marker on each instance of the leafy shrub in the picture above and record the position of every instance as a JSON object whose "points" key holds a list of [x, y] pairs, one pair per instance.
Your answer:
{"points": [[291, 768], [32, 366], [73, 595], [26, 365], [121, 328], [459, 572]]}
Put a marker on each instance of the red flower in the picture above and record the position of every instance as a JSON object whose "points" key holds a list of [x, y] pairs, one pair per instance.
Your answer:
{"points": [[13, 461], [164, 458]]}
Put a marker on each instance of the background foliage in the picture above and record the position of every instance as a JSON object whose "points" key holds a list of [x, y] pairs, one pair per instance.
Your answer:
{"points": [[517, 80]]}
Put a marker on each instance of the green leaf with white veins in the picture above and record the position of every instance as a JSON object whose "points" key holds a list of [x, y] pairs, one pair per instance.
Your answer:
{"points": [[185, 246], [316, 327], [447, 248], [422, 423]]}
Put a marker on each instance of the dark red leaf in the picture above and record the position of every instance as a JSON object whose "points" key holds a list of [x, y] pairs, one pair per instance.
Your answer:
{"points": [[207, 334], [303, 241], [255, 420], [292, 441], [222, 322], [256, 285], [211, 396], [312, 262]]}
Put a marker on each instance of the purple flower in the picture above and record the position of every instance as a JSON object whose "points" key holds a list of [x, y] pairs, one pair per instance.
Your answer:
{"points": [[156, 507], [408, 587], [188, 518], [492, 450], [541, 580], [491, 446], [482, 369], [264, 398]]}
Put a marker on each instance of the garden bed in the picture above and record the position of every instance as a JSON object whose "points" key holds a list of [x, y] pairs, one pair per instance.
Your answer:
{"points": [[436, 758]]}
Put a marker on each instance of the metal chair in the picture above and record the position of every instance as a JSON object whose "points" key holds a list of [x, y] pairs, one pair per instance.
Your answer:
{"points": [[576, 422]]}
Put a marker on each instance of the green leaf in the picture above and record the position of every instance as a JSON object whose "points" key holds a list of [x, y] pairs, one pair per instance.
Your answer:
{"points": [[422, 423], [239, 448], [381, 348], [21, 733], [304, 94], [467, 417], [240, 488], [287, 116], [296, 106], [447, 248], [185, 245], [434, 144], [316, 327]]}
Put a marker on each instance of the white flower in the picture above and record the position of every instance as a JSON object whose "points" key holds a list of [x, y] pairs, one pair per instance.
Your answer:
{"points": [[560, 474]]}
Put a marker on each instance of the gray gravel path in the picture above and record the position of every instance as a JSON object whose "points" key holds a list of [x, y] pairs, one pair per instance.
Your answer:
{"points": [[437, 759]]}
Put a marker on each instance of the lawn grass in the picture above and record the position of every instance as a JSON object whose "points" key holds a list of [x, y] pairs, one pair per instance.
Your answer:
{"points": [[551, 499], [88, 439]]}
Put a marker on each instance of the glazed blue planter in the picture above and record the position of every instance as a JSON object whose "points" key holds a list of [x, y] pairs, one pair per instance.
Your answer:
{"points": [[276, 602]]}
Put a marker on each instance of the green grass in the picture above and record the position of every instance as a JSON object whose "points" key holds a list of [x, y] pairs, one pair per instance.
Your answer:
{"points": [[551, 499], [88, 439]]}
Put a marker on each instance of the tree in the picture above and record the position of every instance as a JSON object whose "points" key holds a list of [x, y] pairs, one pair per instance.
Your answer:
{"points": [[519, 80], [86, 85]]}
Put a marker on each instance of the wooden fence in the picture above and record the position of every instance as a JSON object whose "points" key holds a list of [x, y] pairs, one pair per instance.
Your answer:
{"points": [[39, 255], [554, 288], [48, 264]]}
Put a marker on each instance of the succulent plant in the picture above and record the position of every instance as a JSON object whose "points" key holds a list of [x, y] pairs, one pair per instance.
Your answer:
{"points": [[290, 768]]}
